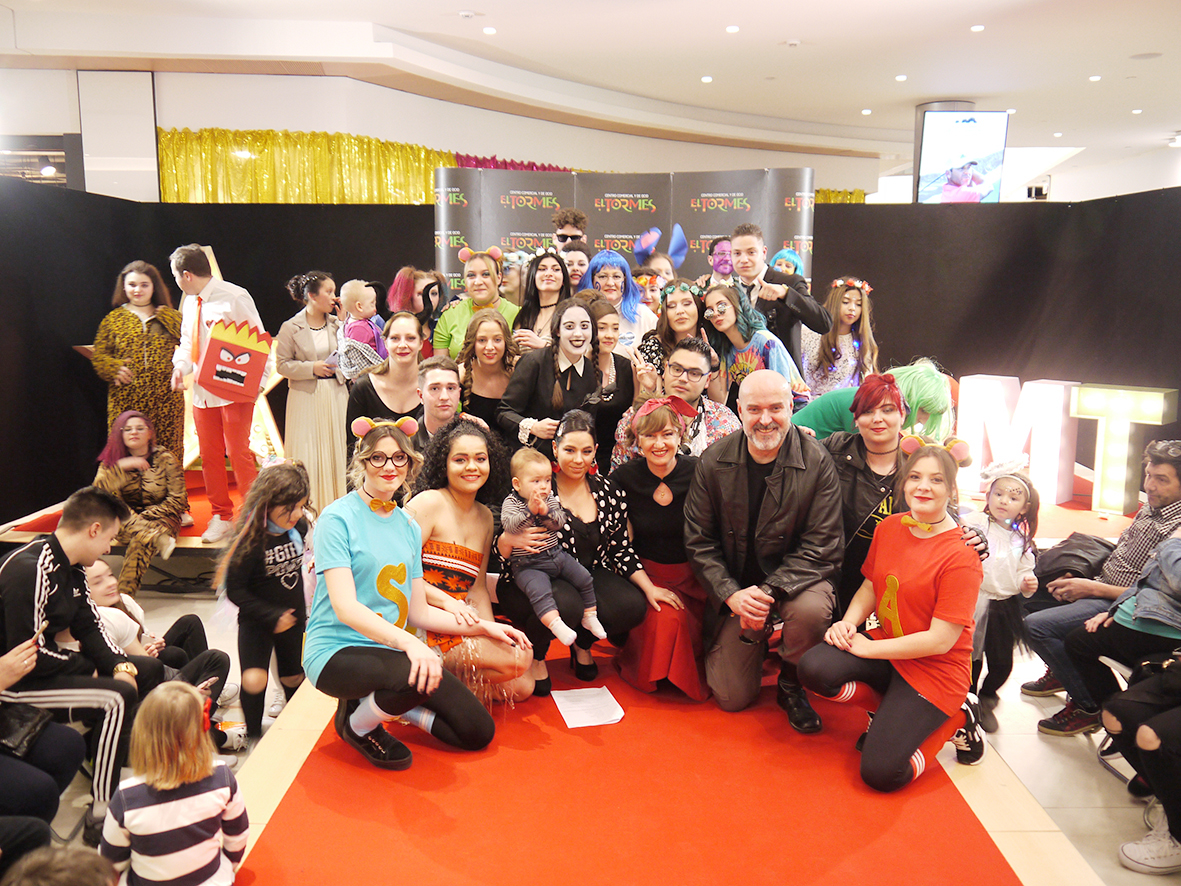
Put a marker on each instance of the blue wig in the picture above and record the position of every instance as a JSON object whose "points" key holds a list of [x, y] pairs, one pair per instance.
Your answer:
{"points": [[747, 319], [607, 258], [792, 256]]}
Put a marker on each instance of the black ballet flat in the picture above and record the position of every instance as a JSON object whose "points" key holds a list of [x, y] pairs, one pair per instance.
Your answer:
{"points": [[584, 672], [542, 688]]}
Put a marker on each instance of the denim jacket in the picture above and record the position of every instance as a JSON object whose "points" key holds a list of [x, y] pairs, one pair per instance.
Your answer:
{"points": [[1158, 589]]}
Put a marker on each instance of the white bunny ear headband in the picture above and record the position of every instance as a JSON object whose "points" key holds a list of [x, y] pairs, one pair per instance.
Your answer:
{"points": [[1011, 469]]}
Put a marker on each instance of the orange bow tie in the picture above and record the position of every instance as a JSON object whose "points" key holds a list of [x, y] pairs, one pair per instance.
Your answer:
{"points": [[378, 506], [908, 520]]}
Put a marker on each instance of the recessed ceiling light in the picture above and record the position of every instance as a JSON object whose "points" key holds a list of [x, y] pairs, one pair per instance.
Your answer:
{"points": [[1057, 135], [901, 78], [1094, 78], [865, 112], [707, 79], [1010, 110], [732, 29], [977, 28], [490, 30], [1175, 143], [466, 13], [1137, 110]]}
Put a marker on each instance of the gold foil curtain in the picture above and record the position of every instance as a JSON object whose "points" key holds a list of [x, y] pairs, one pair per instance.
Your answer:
{"points": [[265, 166], [829, 195]]}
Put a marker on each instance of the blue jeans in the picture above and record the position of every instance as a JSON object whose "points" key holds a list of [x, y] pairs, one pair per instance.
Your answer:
{"points": [[1047, 635]]}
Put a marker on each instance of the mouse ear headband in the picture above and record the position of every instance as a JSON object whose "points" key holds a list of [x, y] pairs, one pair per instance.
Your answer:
{"points": [[362, 426], [956, 448], [466, 254], [1011, 469]]}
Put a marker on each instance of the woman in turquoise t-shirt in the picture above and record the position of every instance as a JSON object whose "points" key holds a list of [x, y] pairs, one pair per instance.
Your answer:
{"points": [[369, 590]]}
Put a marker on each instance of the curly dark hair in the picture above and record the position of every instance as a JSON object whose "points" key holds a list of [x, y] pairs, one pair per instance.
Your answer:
{"points": [[434, 460]]}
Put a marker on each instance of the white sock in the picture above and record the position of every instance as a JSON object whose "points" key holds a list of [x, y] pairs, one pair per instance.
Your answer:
{"points": [[590, 621], [367, 717], [422, 717], [562, 631]]}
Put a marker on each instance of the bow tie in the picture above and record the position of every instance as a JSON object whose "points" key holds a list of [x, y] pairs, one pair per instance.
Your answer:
{"points": [[908, 520], [378, 506]]}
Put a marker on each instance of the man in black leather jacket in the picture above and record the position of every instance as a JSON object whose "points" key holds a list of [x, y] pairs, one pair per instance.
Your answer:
{"points": [[763, 530]]}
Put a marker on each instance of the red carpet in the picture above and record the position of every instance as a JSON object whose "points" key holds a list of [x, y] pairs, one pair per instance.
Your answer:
{"points": [[676, 792]]}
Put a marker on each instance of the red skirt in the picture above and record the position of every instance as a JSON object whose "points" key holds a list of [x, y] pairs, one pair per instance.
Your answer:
{"points": [[668, 644]]}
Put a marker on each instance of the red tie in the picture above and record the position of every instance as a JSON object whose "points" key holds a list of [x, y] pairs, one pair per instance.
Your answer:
{"points": [[197, 333]]}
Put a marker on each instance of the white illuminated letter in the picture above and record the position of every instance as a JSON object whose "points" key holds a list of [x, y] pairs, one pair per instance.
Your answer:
{"points": [[1000, 419], [1117, 463]]}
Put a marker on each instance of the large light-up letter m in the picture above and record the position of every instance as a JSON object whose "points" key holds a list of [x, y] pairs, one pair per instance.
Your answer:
{"points": [[1000, 418]]}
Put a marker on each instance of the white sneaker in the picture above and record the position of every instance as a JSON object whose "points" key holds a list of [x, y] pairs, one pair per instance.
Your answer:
{"points": [[165, 544], [228, 695], [1157, 853], [217, 531], [235, 733], [186, 520], [230, 760]]}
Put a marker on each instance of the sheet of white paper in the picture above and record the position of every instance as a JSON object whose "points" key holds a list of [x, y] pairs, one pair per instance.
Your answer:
{"points": [[587, 707]]}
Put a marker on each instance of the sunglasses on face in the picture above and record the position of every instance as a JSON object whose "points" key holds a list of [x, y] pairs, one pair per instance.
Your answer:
{"points": [[566, 238]]}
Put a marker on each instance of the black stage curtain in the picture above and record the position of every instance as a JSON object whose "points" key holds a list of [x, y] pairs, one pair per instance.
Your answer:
{"points": [[1044, 290]]}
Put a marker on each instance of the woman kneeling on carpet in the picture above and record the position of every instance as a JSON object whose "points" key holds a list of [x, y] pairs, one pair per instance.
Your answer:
{"points": [[464, 470], [369, 588], [913, 670]]}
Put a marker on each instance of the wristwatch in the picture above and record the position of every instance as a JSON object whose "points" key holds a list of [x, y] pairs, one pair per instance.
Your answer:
{"points": [[126, 667]]}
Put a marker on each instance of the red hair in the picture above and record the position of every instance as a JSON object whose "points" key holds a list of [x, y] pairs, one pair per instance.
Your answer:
{"points": [[875, 390]]}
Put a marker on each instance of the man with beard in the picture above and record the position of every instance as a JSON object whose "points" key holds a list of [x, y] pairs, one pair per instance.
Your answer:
{"points": [[764, 535]]}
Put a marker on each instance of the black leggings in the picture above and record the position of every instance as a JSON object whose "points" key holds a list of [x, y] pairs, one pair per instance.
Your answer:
{"points": [[256, 641], [1154, 702], [184, 641], [998, 653], [621, 607], [903, 720], [357, 671]]}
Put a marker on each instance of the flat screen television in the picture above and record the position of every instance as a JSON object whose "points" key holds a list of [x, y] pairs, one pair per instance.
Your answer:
{"points": [[961, 156]]}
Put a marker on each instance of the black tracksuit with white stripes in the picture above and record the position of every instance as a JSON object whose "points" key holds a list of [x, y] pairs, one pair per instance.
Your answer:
{"points": [[38, 584]]}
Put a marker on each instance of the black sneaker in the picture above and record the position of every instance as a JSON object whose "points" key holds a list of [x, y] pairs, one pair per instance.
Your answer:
{"points": [[988, 721], [1139, 788], [1043, 687], [969, 742], [92, 828], [379, 748], [344, 710]]}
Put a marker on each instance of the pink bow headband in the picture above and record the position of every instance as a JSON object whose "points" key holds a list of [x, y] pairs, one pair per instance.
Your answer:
{"points": [[676, 404]]}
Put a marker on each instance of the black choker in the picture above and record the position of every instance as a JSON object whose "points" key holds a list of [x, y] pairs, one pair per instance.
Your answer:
{"points": [[887, 452]]}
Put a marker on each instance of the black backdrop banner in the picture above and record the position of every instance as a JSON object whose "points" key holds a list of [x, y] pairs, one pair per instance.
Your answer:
{"points": [[1032, 290], [482, 207]]}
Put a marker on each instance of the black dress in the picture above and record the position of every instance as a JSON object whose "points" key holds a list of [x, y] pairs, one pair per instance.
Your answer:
{"points": [[615, 399], [530, 395]]}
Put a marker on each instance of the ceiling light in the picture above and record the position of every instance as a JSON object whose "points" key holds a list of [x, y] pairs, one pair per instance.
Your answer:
{"points": [[1057, 135], [1175, 143], [1010, 110], [707, 79], [47, 168], [490, 30], [466, 13], [1094, 78], [731, 29], [865, 112], [901, 78], [977, 28], [1137, 111]]}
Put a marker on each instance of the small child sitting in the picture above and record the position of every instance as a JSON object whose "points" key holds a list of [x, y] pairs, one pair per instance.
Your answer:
{"points": [[533, 503], [360, 344]]}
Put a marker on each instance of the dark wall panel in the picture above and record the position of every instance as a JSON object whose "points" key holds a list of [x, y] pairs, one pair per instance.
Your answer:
{"points": [[60, 252]]}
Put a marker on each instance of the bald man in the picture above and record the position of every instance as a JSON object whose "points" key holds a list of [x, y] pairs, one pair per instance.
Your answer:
{"points": [[763, 531]]}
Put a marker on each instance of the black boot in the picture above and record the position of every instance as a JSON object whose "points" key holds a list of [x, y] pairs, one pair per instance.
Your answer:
{"points": [[790, 696]]}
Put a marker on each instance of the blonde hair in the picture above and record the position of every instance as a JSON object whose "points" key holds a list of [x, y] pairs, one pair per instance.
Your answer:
{"points": [[353, 292], [367, 445], [525, 457], [169, 744]]}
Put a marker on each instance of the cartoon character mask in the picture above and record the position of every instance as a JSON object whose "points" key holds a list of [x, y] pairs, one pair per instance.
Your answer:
{"points": [[234, 360]]}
